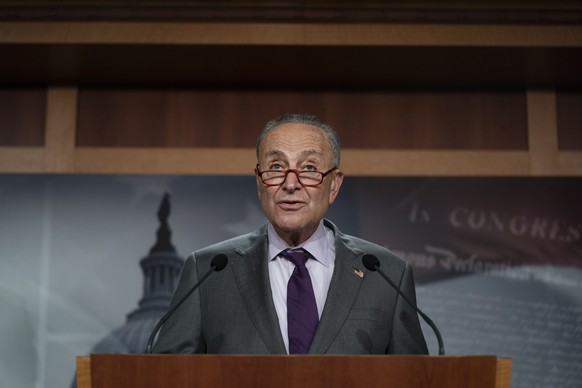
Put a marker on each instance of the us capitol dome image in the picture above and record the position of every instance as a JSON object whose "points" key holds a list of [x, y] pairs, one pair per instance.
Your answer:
{"points": [[161, 270]]}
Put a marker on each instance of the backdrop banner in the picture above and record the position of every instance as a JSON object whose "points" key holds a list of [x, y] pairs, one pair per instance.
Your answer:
{"points": [[498, 262]]}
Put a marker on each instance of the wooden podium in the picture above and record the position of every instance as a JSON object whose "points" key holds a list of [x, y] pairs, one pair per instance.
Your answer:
{"points": [[242, 371]]}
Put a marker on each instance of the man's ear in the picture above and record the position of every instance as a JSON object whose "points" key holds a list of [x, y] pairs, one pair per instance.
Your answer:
{"points": [[336, 183], [259, 185]]}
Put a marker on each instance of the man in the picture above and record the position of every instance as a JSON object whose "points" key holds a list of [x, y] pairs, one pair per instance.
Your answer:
{"points": [[267, 301]]}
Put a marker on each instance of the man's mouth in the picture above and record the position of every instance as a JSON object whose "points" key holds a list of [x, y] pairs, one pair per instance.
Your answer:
{"points": [[290, 205]]}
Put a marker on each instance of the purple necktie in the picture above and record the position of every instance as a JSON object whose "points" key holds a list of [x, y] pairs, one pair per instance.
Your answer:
{"points": [[302, 317]]}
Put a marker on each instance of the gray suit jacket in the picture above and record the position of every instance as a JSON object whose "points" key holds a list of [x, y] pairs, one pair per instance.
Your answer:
{"points": [[233, 311]]}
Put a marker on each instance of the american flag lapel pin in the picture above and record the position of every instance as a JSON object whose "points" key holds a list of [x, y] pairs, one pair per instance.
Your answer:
{"points": [[358, 273]]}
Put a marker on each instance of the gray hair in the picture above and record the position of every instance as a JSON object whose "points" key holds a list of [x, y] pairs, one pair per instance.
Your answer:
{"points": [[301, 118]]}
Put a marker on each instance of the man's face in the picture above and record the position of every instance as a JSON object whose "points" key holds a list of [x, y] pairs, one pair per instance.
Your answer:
{"points": [[293, 209]]}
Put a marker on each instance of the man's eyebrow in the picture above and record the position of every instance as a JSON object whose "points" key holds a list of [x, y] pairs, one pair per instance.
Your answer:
{"points": [[281, 155]]}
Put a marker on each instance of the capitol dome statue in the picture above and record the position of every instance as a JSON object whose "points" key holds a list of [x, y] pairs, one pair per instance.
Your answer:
{"points": [[161, 269]]}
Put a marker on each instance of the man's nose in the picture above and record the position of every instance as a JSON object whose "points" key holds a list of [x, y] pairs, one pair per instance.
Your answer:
{"points": [[291, 181]]}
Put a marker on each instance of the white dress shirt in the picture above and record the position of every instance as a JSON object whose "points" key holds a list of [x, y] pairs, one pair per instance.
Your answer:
{"points": [[321, 245]]}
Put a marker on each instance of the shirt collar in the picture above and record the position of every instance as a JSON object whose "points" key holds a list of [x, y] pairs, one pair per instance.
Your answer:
{"points": [[316, 245]]}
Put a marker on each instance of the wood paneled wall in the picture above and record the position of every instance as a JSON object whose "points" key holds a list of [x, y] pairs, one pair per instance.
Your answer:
{"points": [[381, 119], [22, 113], [88, 130], [189, 97], [569, 116]]}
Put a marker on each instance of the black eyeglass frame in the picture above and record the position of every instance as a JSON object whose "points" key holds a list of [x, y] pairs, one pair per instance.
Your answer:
{"points": [[297, 174]]}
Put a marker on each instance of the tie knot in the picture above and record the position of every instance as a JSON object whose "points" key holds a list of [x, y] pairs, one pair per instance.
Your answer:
{"points": [[297, 256]]}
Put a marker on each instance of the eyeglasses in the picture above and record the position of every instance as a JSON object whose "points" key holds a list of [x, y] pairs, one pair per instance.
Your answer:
{"points": [[306, 178]]}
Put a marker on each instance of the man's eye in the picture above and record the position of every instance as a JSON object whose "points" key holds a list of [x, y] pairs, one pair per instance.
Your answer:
{"points": [[310, 167], [275, 166]]}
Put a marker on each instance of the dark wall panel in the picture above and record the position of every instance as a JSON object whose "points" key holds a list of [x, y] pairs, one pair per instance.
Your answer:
{"points": [[413, 119], [22, 117], [569, 111]]}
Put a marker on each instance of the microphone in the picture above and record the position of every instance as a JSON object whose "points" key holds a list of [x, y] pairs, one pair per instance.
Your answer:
{"points": [[372, 263], [217, 264]]}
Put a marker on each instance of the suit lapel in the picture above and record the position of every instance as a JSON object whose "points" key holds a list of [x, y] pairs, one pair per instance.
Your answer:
{"points": [[252, 277], [343, 291]]}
